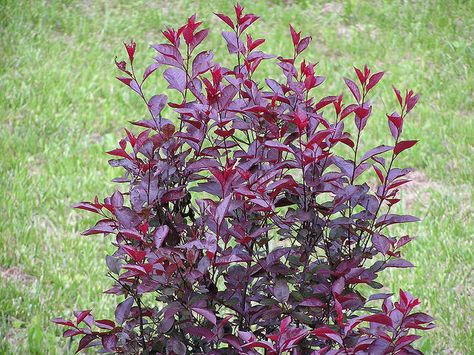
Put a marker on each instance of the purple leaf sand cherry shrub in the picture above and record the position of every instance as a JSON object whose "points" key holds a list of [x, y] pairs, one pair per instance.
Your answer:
{"points": [[242, 230]]}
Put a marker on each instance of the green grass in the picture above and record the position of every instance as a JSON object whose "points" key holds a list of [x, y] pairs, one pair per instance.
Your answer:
{"points": [[61, 108]]}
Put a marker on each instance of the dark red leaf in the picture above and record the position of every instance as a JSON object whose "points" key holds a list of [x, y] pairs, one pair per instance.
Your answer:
{"points": [[72, 332], [394, 219], [173, 195], [361, 77], [130, 47], [197, 39], [378, 318], [348, 110], [226, 19], [254, 44], [88, 207], [411, 102], [399, 97], [354, 89], [120, 153], [328, 333], [379, 173], [374, 79], [295, 37], [403, 145], [105, 324], [64, 322], [137, 255], [102, 226], [80, 316], [149, 70], [381, 243], [325, 101], [85, 341], [258, 344], [303, 44]]}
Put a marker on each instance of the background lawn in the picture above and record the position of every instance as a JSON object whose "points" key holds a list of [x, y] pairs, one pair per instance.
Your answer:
{"points": [[61, 108]]}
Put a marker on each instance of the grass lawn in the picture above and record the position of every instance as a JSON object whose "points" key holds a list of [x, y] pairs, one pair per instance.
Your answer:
{"points": [[61, 108]]}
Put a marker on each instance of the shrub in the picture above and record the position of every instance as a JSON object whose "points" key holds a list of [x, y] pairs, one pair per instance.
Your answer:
{"points": [[244, 228]]}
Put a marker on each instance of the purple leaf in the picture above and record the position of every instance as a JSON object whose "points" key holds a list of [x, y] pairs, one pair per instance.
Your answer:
{"points": [[173, 195], [210, 316], [399, 263], [202, 63], [375, 151], [176, 78], [109, 342], [156, 104], [72, 332], [303, 44], [103, 226], [411, 102], [394, 219], [222, 209], [281, 291], [278, 145], [123, 310], [234, 44], [328, 333], [160, 235], [150, 69], [126, 217], [406, 340], [312, 302], [88, 207], [200, 332], [381, 243]]}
